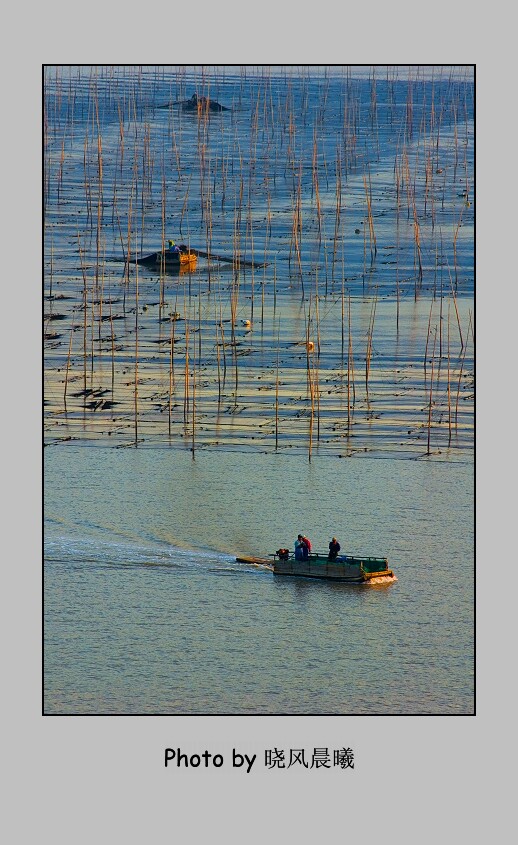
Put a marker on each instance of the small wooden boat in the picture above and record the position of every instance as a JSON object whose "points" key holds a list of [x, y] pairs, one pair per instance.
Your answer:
{"points": [[169, 260], [346, 568]]}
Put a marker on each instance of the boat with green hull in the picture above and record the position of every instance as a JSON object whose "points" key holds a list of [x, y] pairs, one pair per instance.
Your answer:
{"points": [[349, 569]]}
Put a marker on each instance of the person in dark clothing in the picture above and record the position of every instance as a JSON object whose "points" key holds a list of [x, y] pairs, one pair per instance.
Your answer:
{"points": [[334, 548]]}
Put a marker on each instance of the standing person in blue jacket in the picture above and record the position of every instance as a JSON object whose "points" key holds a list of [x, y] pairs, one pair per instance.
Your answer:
{"points": [[299, 548]]}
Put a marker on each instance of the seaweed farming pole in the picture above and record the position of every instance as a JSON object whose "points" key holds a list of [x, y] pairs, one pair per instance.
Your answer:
{"points": [[310, 384], [193, 398], [161, 297], [100, 192], [186, 378], [296, 232], [171, 373], [369, 344], [338, 190], [223, 347], [417, 239], [250, 228], [456, 308], [449, 378], [208, 231], [51, 265], [85, 320], [67, 370], [316, 368], [88, 197], [135, 394], [184, 206], [455, 236], [462, 360], [430, 402], [277, 388], [427, 341], [372, 235], [112, 342], [218, 362], [398, 295], [350, 371], [315, 187], [342, 305]]}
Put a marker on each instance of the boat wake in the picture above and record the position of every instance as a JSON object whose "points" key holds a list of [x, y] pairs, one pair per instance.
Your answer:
{"points": [[381, 580]]}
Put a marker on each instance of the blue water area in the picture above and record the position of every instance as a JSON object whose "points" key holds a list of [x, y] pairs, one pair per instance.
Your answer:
{"points": [[146, 610]]}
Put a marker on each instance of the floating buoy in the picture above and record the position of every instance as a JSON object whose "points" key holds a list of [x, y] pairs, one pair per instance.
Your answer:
{"points": [[246, 323], [310, 346]]}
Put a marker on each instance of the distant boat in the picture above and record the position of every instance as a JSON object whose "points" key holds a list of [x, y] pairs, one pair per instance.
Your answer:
{"points": [[185, 259], [197, 105], [346, 568]]}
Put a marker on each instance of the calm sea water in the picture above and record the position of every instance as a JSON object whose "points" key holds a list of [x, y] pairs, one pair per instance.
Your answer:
{"points": [[147, 611]]}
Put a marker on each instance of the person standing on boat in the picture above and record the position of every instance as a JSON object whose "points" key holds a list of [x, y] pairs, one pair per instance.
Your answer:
{"points": [[334, 548], [173, 247], [299, 548], [307, 546]]}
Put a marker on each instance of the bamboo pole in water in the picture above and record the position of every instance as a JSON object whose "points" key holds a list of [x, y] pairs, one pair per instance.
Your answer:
{"points": [[338, 210], [342, 321], [161, 299], [456, 309], [370, 220], [218, 362], [455, 236], [112, 344], [223, 345], [316, 369], [310, 384], [193, 441], [135, 395], [277, 389], [85, 318], [462, 360], [171, 371], [349, 368], [427, 341], [186, 378], [369, 344], [430, 400], [67, 370], [449, 380], [417, 239]]}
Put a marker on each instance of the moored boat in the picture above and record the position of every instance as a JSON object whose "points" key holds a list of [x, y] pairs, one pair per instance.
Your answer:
{"points": [[169, 260], [196, 105], [346, 568]]}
